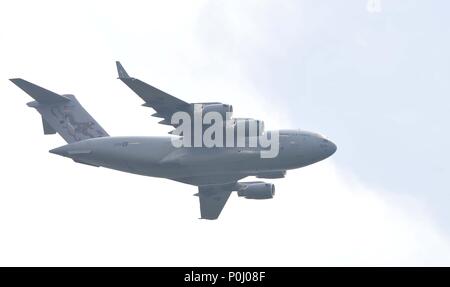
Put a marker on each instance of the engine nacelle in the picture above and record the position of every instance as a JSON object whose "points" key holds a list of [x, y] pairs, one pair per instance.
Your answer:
{"points": [[257, 190], [226, 111], [246, 127]]}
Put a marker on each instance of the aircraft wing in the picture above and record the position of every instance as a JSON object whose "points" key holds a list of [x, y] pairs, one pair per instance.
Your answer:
{"points": [[164, 104], [212, 200]]}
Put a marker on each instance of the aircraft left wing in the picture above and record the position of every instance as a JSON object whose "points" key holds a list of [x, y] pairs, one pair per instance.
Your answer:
{"points": [[164, 104], [212, 200]]}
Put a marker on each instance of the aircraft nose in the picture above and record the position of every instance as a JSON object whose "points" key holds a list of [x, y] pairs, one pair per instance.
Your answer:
{"points": [[332, 147], [329, 147]]}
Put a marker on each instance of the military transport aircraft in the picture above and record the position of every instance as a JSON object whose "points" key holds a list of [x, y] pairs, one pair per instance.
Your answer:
{"points": [[216, 170]]}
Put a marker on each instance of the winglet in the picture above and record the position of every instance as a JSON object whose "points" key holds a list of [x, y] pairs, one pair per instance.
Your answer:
{"points": [[121, 71], [38, 93]]}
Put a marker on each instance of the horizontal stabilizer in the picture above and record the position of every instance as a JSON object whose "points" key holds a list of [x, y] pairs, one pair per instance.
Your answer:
{"points": [[38, 93]]}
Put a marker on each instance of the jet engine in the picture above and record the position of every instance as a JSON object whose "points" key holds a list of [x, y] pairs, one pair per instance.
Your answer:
{"points": [[242, 126], [257, 190], [224, 110]]}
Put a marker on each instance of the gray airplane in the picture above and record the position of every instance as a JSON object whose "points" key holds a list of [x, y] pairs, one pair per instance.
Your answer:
{"points": [[216, 171]]}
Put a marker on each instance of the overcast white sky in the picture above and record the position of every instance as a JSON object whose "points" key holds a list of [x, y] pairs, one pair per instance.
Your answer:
{"points": [[367, 80]]}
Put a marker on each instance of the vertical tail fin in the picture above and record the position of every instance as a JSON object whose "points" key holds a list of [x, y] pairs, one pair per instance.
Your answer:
{"points": [[61, 114]]}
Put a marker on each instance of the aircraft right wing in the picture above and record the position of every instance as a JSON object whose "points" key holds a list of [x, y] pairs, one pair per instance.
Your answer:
{"points": [[213, 199], [164, 104]]}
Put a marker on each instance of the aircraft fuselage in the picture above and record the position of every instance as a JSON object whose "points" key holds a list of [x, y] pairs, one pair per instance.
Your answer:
{"points": [[157, 157]]}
